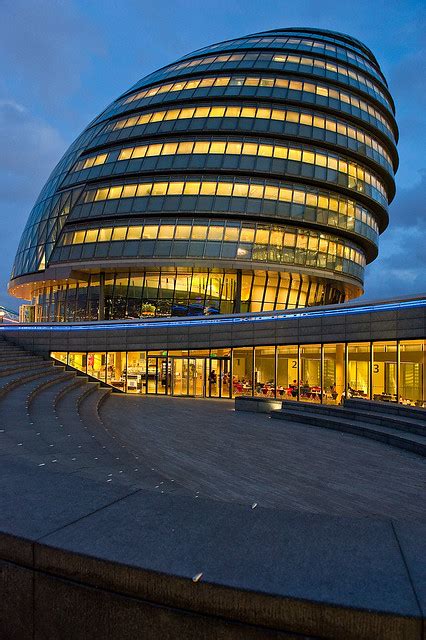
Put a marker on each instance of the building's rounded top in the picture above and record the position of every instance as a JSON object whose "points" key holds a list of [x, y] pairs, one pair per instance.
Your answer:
{"points": [[272, 151]]}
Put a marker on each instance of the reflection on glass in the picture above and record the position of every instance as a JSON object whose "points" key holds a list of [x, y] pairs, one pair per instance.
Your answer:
{"points": [[333, 373], [384, 372], [242, 372], [310, 389], [412, 381], [358, 374], [264, 372]]}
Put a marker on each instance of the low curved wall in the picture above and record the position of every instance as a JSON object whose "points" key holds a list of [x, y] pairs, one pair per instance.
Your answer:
{"points": [[82, 559]]}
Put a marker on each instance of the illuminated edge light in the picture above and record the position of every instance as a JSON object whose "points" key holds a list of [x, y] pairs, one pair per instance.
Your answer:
{"points": [[188, 322]]}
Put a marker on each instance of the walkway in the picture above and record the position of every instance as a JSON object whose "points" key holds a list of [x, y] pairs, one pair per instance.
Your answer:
{"points": [[210, 450]]}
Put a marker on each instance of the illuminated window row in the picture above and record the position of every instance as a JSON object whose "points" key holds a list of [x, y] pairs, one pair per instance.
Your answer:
{"points": [[298, 196], [180, 292], [355, 172], [283, 58], [315, 45], [282, 115], [250, 81], [219, 231]]}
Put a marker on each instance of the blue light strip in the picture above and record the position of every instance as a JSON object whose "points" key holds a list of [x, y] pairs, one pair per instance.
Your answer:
{"points": [[207, 321]]}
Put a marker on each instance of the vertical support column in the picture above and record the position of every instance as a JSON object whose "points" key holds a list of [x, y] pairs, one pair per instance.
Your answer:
{"points": [[101, 309], [341, 384], [237, 301]]}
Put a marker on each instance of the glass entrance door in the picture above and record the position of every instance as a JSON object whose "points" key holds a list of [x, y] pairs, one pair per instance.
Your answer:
{"points": [[218, 377], [187, 376]]}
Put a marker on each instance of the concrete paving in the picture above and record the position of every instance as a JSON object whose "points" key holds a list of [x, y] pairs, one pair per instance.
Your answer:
{"points": [[212, 451]]}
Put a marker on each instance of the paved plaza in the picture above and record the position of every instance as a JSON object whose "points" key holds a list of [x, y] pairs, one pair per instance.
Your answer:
{"points": [[211, 451]]}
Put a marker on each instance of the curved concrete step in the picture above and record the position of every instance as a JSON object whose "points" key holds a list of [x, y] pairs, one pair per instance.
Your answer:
{"points": [[361, 413], [11, 381], [391, 408], [408, 441]]}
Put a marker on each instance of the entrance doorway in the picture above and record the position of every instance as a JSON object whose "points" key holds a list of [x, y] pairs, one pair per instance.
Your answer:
{"points": [[187, 377]]}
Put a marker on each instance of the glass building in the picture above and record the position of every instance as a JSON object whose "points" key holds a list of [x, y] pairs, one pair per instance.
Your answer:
{"points": [[248, 176]]}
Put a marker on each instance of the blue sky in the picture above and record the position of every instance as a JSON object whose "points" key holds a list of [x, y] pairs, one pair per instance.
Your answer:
{"points": [[62, 62]]}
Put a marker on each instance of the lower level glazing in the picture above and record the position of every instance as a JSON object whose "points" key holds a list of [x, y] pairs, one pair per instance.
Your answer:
{"points": [[180, 292], [392, 371]]}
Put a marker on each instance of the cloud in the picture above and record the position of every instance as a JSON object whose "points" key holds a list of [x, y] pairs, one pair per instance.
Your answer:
{"points": [[401, 266], [30, 149], [46, 45]]}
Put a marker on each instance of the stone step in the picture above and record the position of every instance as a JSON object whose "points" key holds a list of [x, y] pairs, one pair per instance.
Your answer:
{"points": [[408, 441], [360, 414], [11, 381], [24, 366], [391, 408]]}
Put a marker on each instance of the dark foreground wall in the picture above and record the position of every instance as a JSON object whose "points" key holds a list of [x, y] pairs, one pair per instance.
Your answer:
{"points": [[395, 320], [81, 559]]}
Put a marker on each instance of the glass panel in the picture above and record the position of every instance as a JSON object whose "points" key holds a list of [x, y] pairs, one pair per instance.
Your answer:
{"points": [[310, 373], [60, 356], [384, 371], [264, 371], [196, 377], [180, 376], [287, 372], [77, 360], [412, 382], [358, 372], [333, 373], [116, 369], [242, 370], [136, 372], [96, 365], [152, 375]]}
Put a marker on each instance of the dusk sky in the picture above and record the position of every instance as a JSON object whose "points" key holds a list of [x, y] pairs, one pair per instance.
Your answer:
{"points": [[63, 62]]}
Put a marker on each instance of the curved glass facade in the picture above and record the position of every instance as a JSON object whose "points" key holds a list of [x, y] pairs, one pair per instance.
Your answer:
{"points": [[251, 175]]}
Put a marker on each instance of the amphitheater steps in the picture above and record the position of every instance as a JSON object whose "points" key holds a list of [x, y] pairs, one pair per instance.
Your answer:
{"points": [[378, 423]]}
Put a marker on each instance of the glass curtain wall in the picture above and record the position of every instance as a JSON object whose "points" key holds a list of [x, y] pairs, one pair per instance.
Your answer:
{"points": [[327, 373]]}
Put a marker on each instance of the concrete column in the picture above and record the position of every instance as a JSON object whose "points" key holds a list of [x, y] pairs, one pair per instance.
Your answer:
{"points": [[237, 301]]}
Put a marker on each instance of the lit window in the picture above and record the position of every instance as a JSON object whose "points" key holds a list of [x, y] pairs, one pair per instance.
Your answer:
{"points": [[247, 235], [175, 188], [215, 233], [234, 148], [171, 115], [294, 154], [149, 232], [208, 188], [249, 149], [240, 190], [185, 147], [256, 191], [140, 152], [78, 237], [231, 234], [217, 147], [125, 154], [129, 191], [166, 231], [191, 188], [202, 112], [101, 194], [159, 188], [100, 159], [201, 147], [217, 112], [271, 193], [105, 234], [158, 116], [248, 112], [199, 232], [134, 233], [265, 150], [153, 150], [91, 235], [143, 190], [183, 232], [169, 149], [262, 236], [115, 192], [233, 112], [119, 233], [186, 113], [224, 188]]}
